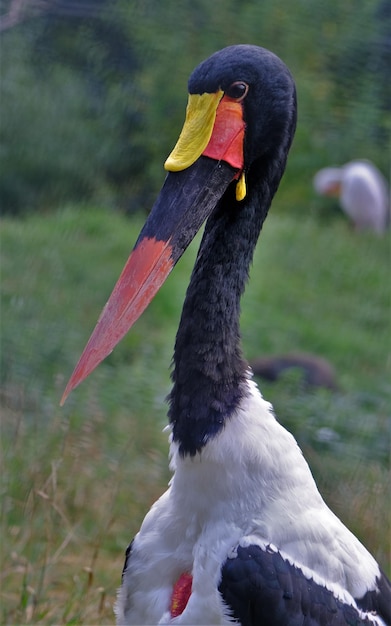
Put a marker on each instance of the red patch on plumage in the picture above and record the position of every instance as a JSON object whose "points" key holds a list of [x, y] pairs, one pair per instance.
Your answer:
{"points": [[226, 142], [181, 594]]}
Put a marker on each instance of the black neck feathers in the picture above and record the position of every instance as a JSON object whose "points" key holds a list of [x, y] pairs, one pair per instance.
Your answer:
{"points": [[209, 368]]}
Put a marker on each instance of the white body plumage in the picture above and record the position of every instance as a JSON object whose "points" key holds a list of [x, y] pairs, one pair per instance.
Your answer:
{"points": [[250, 484]]}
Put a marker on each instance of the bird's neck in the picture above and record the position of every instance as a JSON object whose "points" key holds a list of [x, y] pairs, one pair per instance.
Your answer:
{"points": [[209, 370]]}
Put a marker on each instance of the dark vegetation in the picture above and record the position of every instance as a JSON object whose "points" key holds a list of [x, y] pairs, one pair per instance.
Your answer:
{"points": [[93, 92]]}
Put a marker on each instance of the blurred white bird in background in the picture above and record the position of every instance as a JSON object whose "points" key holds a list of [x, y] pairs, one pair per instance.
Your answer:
{"points": [[362, 191]]}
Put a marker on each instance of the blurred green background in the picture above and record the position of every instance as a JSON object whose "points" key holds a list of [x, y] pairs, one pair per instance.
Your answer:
{"points": [[93, 95]]}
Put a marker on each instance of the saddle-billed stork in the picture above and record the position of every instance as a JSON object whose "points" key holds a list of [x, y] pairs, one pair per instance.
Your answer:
{"points": [[242, 534]]}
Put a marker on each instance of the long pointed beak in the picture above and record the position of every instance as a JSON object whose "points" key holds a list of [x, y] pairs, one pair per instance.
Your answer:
{"points": [[187, 198], [206, 159]]}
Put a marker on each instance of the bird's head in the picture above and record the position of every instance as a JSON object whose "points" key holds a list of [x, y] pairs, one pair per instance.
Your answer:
{"points": [[262, 85], [239, 125], [241, 109]]}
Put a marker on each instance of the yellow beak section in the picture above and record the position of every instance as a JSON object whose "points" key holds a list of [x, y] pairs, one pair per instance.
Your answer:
{"points": [[196, 132]]}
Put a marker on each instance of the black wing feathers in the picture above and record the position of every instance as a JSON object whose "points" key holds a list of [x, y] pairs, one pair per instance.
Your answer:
{"points": [[263, 589], [379, 600], [127, 557]]}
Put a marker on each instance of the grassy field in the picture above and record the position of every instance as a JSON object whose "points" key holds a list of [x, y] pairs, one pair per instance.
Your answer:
{"points": [[77, 481]]}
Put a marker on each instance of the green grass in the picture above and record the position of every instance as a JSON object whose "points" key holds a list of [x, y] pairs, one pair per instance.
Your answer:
{"points": [[77, 481]]}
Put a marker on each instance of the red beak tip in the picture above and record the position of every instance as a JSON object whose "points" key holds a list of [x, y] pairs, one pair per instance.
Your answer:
{"points": [[65, 395]]}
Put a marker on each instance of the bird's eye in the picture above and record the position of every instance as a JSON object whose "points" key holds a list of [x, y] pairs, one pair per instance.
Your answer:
{"points": [[237, 90]]}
